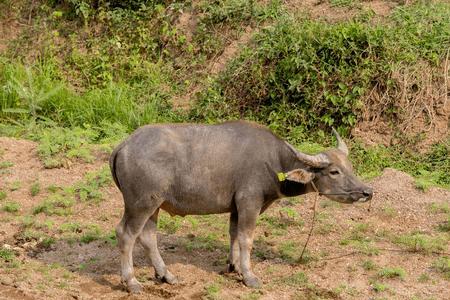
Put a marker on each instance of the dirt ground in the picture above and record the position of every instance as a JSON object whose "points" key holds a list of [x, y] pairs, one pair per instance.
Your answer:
{"points": [[196, 250]]}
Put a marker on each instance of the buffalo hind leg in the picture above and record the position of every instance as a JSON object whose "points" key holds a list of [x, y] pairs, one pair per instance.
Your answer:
{"points": [[246, 228], [127, 231], [233, 260], [148, 239]]}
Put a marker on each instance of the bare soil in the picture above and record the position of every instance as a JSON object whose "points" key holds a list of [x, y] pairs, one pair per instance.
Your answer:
{"points": [[79, 270]]}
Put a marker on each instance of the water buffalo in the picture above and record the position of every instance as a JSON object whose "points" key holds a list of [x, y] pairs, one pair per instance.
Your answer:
{"points": [[236, 167]]}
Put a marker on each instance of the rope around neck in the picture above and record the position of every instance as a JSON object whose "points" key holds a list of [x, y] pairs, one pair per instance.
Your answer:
{"points": [[313, 219]]}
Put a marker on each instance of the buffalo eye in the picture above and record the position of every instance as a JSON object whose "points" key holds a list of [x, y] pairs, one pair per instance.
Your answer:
{"points": [[335, 172]]}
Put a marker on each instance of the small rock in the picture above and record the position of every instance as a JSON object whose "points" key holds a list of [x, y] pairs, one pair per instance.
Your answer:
{"points": [[7, 281], [29, 245], [7, 247], [18, 249]]}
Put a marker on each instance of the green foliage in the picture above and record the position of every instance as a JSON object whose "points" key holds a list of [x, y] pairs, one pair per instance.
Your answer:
{"points": [[58, 143], [290, 251], [55, 204], [6, 164], [284, 218], [89, 188], [445, 226], [47, 242], [15, 185], [437, 208], [298, 279], [442, 265], [392, 273], [209, 242], [7, 254], [360, 239], [2, 195], [169, 224], [342, 2], [28, 91], [212, 291], [417, 242], [70, 227], [379, 287], [301, 73], [35, 189], [129, 105], [90, 234], [11, 207], [429, 168], [369, 265], [423, 278], [8, 258]]}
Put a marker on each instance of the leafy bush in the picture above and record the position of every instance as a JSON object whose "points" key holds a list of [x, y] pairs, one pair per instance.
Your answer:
{"points": [[300, 74]]}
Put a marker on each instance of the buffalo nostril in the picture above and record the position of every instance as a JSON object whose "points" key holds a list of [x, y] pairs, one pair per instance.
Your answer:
{"points": [[368, 193]]}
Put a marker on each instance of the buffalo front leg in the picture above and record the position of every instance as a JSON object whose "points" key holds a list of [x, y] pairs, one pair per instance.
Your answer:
{"points": [[246, 227], [233, 259], [148, 239]]}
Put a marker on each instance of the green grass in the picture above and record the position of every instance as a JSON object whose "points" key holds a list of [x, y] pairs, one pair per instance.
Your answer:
{"points": [[2, 195], [392, 273], [88, 190], [6, 164], [6, 254], [11, 207], [438, 208], [47, 242], [56, 204], [423, 278], [445, 226], [212, 291], [421, 243], [298, 279], [343, 3], [209, 242], [35, 189], [360, 239], [168, 223], [70, 227], [15, 185], [90, 234], [379, 287], [279, 221], [369, 265], [442, 265]]}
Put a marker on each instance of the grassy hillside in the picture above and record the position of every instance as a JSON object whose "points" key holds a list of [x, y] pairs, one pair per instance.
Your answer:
{"points": [[112, 66]]}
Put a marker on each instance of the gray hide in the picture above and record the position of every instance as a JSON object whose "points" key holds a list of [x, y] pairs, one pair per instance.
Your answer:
{"points": [[211, 169]]}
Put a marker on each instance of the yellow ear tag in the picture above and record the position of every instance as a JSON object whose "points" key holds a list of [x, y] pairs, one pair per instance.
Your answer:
{"points": [[281, 176]]}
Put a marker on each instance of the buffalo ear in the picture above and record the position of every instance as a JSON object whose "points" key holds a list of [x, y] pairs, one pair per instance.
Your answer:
{"points": [[300, 175]]}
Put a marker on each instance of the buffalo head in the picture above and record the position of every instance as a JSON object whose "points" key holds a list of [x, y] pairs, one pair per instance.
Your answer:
{"points": [[331, 173]]}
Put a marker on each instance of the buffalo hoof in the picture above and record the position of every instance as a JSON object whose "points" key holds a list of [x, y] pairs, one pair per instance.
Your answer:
{"points": [[168, 278], [134, 288], [252, 282]]}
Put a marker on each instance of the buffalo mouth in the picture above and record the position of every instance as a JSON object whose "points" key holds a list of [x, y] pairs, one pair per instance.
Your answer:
{"points": [[350, 197], [363, 199]]}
